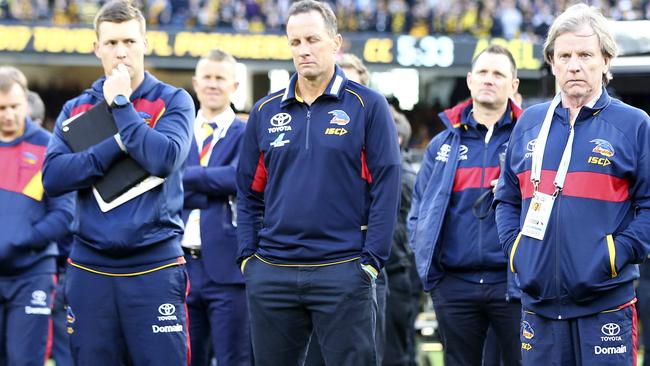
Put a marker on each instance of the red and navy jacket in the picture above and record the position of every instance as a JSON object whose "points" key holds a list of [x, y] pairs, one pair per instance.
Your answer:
{"points": [[319, 183], [600, 222], [208, 188], [458, 166], [32, 221], [156, 130]]}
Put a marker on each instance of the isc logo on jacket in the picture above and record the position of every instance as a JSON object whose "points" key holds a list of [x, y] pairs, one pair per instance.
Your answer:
{"points": [[603, 148]]}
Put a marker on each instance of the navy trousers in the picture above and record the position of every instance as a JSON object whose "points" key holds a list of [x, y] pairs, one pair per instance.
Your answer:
{"points": [[25, 308], [643, 308], [60, 337], [219, 322], [314, 354], [605, 339], [465, 310], [400, 319], [133, 320], [286, 303]]}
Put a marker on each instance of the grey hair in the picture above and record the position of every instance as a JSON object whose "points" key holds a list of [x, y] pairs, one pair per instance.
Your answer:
{"points": [[350, 61], [36, 106], [574, 18], [322, 8]]}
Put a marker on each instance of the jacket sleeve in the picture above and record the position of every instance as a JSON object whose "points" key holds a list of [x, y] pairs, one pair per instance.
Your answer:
{"points": [[421, 180], [193, 199], [251, 181], [160, 150], [55, 224], [401, 233], [507, 201], [215, 180], [65, 171], [634, 241], [383, 161]]}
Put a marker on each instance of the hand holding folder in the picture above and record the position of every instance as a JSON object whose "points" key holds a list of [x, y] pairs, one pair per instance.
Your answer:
{"points": [[125, 179]]}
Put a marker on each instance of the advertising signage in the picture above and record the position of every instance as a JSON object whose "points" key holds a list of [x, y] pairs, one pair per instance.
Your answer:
{"points": [[394, 50]]}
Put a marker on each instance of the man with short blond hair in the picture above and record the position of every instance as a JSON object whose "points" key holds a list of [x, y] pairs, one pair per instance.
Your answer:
{"points": [[217, 300]]}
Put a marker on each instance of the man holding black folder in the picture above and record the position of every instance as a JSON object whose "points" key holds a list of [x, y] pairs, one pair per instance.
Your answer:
{"points": [[126, 284]]}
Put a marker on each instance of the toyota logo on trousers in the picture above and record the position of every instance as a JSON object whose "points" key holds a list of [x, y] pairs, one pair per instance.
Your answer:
{"points": [[166, 309], [610, 329]]}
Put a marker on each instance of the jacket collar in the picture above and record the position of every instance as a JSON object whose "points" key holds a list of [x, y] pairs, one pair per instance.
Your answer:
{"points": [[586, 112], [459, 115], [334, 88]]}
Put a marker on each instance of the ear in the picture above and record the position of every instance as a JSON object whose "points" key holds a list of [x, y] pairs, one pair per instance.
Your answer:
{"points": [[607, 65], [96, 48], [468, 79], [515, 85], [146, 45], [194, 83], [338, 42]]}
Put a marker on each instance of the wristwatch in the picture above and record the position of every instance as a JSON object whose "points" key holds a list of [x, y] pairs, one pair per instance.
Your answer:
{"points": [[120, 101]]}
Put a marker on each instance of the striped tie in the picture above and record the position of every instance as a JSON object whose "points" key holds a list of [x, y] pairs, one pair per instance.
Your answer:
{"points": [[208, 128]]}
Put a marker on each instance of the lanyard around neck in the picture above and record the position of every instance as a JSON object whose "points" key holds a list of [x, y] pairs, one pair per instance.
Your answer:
{"points": [[540, 146]]}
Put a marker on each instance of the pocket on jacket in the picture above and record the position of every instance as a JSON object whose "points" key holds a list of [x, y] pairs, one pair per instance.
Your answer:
{"points": [[611, 251], [589, 267], [513, 251], [534, 263], [365, 276]]}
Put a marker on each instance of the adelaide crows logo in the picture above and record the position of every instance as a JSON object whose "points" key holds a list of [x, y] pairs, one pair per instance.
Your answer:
{"points": [[339, 117], [527, 330], [29, 157], [603, 147]]}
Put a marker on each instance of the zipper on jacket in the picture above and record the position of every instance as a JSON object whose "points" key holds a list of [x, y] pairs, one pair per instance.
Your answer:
{"points": [[557, 250], [558, 286], [308, 127], [480, 222]]}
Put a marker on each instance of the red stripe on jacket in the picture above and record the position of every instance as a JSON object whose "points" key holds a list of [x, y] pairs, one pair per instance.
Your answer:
{"points": [[596, 186], [19, 164], [259, 180], [80, 109], [471, 177], [365, 171]]}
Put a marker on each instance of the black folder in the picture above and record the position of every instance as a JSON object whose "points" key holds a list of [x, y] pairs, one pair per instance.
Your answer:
{"points": [[91, 128]]}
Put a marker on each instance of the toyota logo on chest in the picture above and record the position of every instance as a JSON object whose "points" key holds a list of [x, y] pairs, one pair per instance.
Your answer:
{"points": [[280, 119]]}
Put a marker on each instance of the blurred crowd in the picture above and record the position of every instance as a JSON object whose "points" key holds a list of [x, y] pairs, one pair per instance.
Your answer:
{"points": [[527, 19]]}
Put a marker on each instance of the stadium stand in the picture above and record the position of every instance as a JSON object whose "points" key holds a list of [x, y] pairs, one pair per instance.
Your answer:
{"points": [[527, 19]]}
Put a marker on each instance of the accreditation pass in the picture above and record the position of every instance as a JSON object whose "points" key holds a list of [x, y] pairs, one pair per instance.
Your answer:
{"points": [[539, 213]]}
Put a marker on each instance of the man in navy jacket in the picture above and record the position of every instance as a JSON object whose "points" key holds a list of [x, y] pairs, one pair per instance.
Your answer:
{"points": [[217, 299], [573, 205], [318, 189], [453, 235], [126, 280], [31, 223]]}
